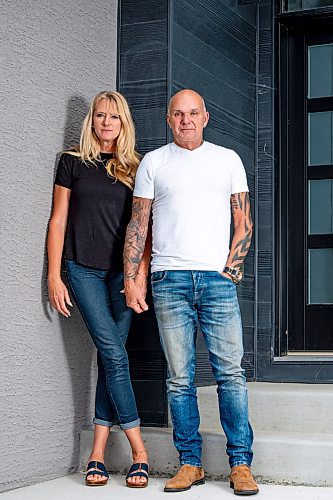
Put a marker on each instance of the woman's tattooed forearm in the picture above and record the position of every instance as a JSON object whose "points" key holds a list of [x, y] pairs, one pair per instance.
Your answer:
{"points": [[136, 236], [240, 204]]}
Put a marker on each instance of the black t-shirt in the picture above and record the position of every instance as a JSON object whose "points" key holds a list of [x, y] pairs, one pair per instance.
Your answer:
{"points": [[99, 211]]}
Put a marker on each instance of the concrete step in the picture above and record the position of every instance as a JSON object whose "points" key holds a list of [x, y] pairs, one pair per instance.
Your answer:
{"points": [[280, 457], [293, 436], [72, 488], [303, 408]]}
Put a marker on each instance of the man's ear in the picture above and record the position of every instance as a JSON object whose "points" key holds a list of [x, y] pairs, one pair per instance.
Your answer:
{"points": [[206, 118], [168, 120]]}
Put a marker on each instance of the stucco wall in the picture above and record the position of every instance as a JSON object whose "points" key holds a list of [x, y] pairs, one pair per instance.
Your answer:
{"points": [[55, 55]]}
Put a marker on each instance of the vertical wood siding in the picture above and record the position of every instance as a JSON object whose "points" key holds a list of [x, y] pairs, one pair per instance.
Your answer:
{"points": [[210, 46], [213, 47]]}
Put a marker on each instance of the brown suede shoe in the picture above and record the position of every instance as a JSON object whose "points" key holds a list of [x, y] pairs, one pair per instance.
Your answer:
{"points": [[242, 482], [187, 476]]}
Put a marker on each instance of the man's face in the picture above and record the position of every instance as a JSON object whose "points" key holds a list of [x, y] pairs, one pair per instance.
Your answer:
{"points": [[187, 119]]}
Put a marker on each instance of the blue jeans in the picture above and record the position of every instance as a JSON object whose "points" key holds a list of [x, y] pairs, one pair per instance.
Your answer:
{"points": [[181, 300], [104, 311]]}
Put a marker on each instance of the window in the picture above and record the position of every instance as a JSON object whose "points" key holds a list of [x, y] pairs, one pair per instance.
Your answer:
{"points": [[293, 5]]}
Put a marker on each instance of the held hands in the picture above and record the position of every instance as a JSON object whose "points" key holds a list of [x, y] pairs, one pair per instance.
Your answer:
{"points": [[59, 296], [135, 292]]}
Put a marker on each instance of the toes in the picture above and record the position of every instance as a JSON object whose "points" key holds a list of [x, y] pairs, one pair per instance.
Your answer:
{"points": [[140, 480], [136, 480], [97, 478]]}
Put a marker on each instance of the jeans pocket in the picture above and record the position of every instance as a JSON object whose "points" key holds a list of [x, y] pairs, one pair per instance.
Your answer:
{"points": [[158, 276], [226, 279]]}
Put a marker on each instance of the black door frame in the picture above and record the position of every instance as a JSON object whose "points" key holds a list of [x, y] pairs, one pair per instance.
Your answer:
{"points": [[307, 325], [276, 365]]}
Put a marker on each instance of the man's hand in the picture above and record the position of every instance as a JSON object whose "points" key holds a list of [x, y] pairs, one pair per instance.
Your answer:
{"points": [[135, 298], [141, 283]]}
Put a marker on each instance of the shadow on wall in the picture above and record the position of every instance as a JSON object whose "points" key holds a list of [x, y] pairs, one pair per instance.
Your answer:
{"points": [[78, 347], [77, 108]]}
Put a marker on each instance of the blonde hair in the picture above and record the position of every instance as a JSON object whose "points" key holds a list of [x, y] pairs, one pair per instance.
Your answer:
{"points": [[126, 160]]}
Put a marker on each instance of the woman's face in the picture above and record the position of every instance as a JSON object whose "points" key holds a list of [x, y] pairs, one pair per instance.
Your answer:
{"points": [[106, 122]]}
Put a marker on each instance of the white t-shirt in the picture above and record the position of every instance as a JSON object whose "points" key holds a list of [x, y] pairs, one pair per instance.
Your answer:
{"points": [[191, 208]]}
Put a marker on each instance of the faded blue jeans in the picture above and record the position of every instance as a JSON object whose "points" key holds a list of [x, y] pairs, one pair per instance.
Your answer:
{"points": [[104, 311], [181, 300]]}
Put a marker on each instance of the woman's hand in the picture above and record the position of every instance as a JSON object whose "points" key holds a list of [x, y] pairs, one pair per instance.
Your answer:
{"points": [[58, 293], [59, 296]]}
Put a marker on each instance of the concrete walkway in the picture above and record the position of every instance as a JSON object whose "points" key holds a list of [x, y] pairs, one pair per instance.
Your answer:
{"points": [[73, 488]]}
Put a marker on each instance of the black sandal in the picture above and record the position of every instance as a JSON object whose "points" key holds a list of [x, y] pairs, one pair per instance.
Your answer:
{"points": [[96, 469], [138, 470]]}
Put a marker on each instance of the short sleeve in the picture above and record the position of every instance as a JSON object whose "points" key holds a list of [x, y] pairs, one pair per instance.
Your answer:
{"points": [[64, 175], [238, 181], [144, 180]]}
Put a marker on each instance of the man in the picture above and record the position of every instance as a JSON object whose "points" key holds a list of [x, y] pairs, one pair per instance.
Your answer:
{"points": [[189, 184]]}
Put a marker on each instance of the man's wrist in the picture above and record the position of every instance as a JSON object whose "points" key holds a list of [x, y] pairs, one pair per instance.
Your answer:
{"points": [[142, 275], [235, 273], [128, 281]]}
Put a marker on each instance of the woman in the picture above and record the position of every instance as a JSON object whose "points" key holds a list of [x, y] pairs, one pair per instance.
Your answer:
{"points": [[91, 209]]}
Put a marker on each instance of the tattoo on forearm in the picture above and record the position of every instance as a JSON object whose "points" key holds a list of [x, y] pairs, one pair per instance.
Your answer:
{"points": [[136, 236], [241, 202], [236, 201], [234, 204]]}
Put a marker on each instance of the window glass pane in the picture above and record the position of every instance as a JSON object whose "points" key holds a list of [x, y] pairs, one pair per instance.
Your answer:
{"points": [[320, 70], [305, 4], [320, 138], [320, 282], [321, 207]]}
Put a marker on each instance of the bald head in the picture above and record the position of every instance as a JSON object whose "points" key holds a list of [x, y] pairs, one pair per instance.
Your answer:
{"points": [[186, 93], [187, 117]]}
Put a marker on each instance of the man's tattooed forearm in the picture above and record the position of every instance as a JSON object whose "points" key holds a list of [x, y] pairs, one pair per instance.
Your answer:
{"points": [[241, 201], [136, 236], [236, 202]]}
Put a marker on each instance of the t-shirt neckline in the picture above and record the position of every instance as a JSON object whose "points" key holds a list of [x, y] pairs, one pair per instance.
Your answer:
{"points": [[103, 157], [189, 151]]}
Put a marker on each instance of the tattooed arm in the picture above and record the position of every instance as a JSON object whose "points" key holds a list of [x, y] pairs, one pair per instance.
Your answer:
{"points": [[134, 249], [143, 269], [241, 241]]}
